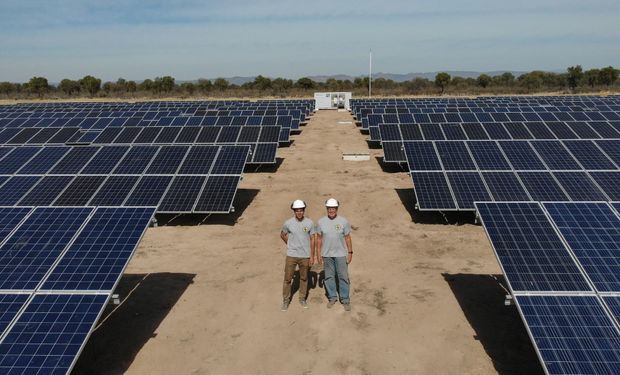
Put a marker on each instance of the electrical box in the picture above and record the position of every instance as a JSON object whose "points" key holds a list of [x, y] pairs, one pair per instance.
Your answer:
{"points": [[332, 100]]}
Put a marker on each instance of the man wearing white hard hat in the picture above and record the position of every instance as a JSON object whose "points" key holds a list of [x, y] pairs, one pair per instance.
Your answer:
{"points": [[335, 251], [298, 235]]}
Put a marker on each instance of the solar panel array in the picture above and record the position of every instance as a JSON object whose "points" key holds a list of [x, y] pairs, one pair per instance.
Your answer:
{"points": [[58, 268], [176, 179], [562, 264]]}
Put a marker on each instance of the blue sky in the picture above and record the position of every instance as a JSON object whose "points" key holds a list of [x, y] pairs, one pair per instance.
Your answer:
{"points": [[189, 39]]}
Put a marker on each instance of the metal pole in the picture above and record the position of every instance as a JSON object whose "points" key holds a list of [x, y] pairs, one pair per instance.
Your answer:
{"points": [[370, 75]]}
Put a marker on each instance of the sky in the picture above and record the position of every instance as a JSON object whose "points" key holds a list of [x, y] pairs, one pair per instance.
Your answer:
{"points": [[191, 39]]}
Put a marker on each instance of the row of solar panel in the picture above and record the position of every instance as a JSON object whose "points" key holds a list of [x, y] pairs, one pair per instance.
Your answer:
{"points": [[569, 254], [213, 109], [203, 194], [103, 122], [512, 155], [119, 160], [58, 267], [457, 191], [497, 130]]}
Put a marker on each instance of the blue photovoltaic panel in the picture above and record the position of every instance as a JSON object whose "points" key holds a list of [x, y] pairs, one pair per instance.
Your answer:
{"points": [[529, 250], [136, 160], [99, 254], [454, 156], [614, 306], [46, 191], [432, 132], [590, 157], [4, 151], [199, 160], [432, 191], [555, 155], [389, 132], [579, 186], [182, 194], [608, 181], [10, 305], [421, 156], [32, 249], [393, 152], [521, 155], [474, 131], [148, 134], [230, 160], [505, 186], [488, 156], [592, 231], [149, 191], [49, 335], [542, 187], [10, 217], [410, 132], [453, 131], [15, 188], [167, 160], [468, 188], [79, 191], [265, 153], [573, 334], [611, 148], [114, 191], [74, 160], [105, 160], [16, 159], [218, 194], [44, 160]]}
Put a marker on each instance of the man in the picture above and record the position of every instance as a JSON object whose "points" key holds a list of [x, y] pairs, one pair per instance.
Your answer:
{"points": [[298, 235], [335, 251]]}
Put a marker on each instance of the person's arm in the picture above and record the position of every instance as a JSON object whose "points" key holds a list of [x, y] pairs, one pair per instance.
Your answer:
{"points": [[284, 237], [347, 240], [312, 249], [318, 243]]}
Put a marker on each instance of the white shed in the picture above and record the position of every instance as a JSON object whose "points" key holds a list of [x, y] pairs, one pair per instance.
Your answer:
{"points": [[332, 100]]}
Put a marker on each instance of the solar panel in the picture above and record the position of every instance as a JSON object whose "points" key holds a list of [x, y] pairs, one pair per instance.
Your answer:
{"points": [[99, 254], [199, 160], [44, 193], [432, 132], [10, 306], [79, 191], [608, 181], [542, 186], [432, 191], [555, 155], [573, 334], [16, 159], [421, 156], [230, 160], [27, 255], [50, 333], [15, 188], [105, 160], [529, 250], [74, 160], [588, 155], [149, 191], [114, 191], [521, 155], [592, 231], [218, 194], [136, 160], [467, 188], [488, 156], [579, 186], [265, 153], [454, 156], [167, 160], [611, 148], [9, 220], [182, 194], [43, 161], [505, 186]]}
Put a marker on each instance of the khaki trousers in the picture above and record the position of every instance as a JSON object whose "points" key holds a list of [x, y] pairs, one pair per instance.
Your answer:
{"points": [[289, 271]]}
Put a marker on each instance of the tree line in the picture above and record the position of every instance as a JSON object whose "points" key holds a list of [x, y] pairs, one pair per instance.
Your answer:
{"points": [[574, 80]]}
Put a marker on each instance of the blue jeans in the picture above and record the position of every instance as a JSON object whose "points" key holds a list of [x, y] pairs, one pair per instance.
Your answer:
{"points": [[336, 267]]}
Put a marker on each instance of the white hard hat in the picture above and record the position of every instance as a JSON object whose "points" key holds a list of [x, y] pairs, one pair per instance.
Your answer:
{"points": [[331, 202], [298, 203]]}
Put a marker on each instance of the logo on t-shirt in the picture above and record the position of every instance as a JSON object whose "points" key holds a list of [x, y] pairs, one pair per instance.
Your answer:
{"points": [[306, 229], [338, 227]]}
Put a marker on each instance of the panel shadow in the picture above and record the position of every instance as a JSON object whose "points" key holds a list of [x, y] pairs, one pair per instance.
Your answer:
{"points": [[407, 197], [114, 345], [499, 328]]}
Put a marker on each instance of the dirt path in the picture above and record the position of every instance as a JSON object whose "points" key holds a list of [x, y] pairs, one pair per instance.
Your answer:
{"points": [[421, 295]]}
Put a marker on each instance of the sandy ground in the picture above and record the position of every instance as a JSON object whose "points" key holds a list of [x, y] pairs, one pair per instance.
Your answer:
{"points": [[205, 299]]}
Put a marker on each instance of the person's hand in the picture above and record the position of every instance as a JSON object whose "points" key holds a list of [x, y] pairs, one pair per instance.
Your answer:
{"points": [[349, 258]]}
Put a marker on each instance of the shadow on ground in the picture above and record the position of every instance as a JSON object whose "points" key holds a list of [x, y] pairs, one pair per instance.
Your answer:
{"points": [[114, 345], [243, 199], [499, 328], [407, 197], [391, 167], [263, 168]]}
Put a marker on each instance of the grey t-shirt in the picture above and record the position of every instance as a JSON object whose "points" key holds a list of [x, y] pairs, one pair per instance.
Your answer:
{"points": [[299, 232], [332, 233]]}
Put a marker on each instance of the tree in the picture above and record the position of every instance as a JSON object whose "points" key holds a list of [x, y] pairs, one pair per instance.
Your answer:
{"points": [[484, 80], [574, 74], [261, 83], [591, 77], [531, 80], [305, 83], [221, 84], [90, 84], [442, 80], [8, 88], [204, 85], [146, 85], [281, 86], [108, 87], [167, 84], [608, 76], [38, 85], [131, 87], [188, 87], [69, 86]]}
